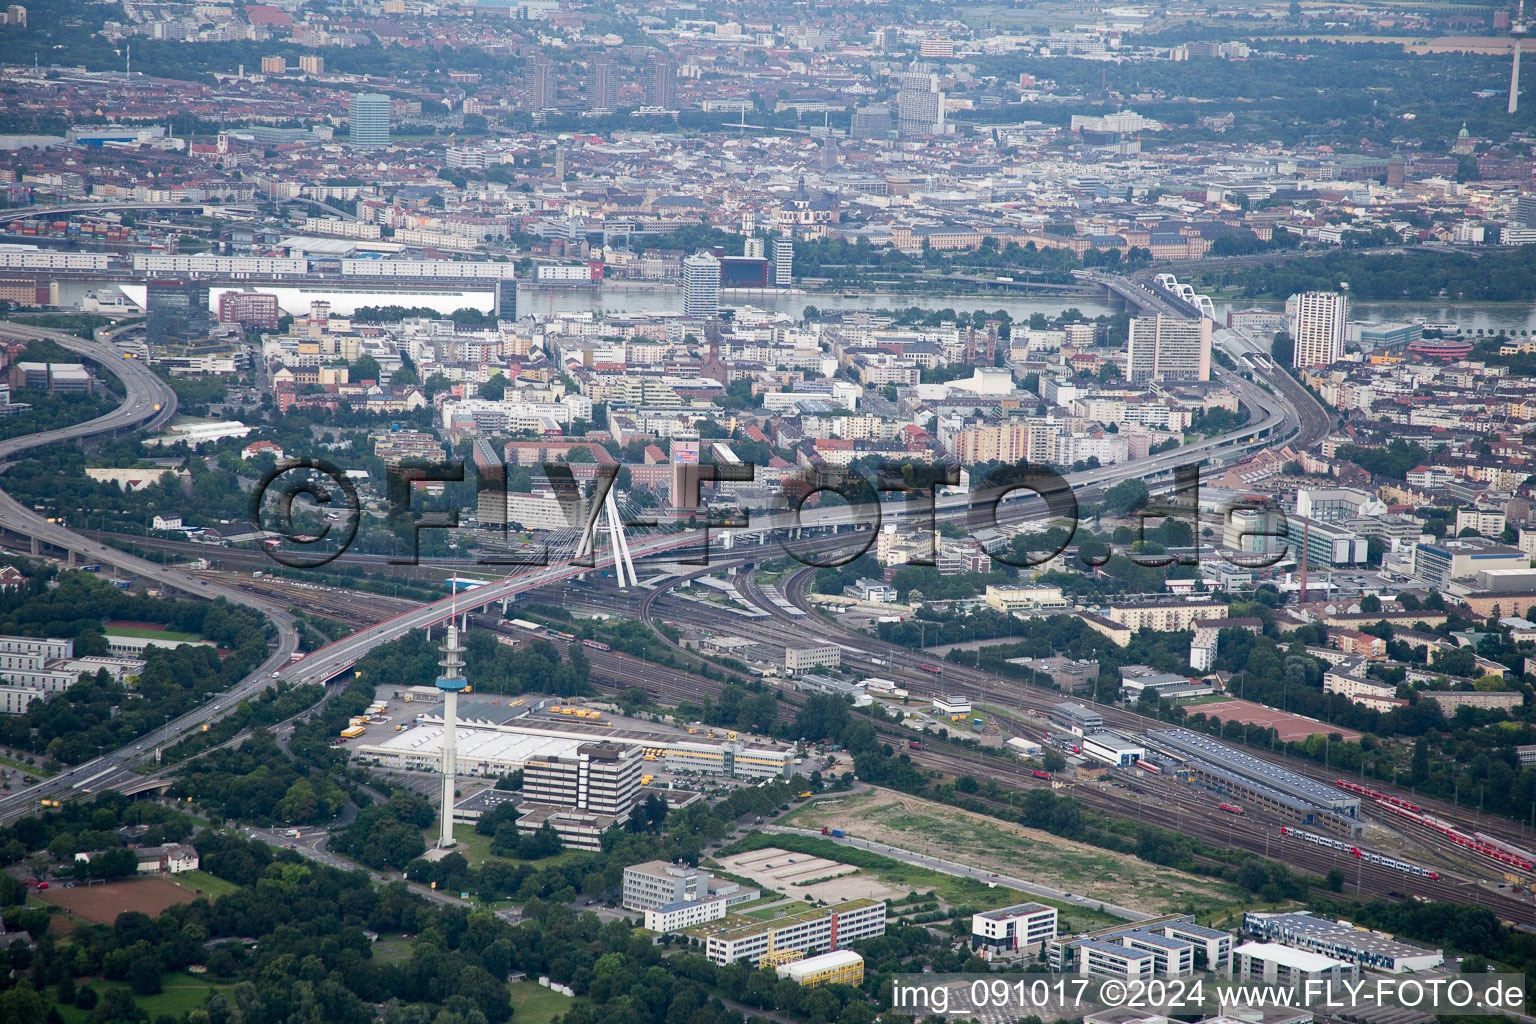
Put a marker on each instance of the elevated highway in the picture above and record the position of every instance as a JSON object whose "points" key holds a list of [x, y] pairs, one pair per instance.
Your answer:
{"points": [[148, 402]]}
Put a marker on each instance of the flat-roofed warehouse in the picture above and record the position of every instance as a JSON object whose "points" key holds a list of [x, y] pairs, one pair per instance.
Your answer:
{"points": [[488, 718], [1230, 771]]}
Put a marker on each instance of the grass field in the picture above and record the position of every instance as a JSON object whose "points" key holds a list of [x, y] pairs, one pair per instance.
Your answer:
{"points": [[392, 949], [183, 994], [150, 634], [938, 830], [212, 886], [534, 1004], [477, 849]]}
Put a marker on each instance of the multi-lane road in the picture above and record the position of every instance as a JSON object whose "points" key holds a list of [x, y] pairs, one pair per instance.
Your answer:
{"points": [[149, 402]]}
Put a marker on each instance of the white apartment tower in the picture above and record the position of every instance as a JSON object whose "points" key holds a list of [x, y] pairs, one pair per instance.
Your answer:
{"points": [[1165, 348], [701, 286], [1317, 322], [783, 262]]}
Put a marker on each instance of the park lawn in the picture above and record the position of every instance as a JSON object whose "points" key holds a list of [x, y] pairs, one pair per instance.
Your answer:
{"points": [[477, 849], [150, 634], [392, 949], [182, 994], [532, 1003], [26, 769], [212, 886]]}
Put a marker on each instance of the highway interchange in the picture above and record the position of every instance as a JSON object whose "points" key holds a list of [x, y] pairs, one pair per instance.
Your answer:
{"points": [[149, 403]]}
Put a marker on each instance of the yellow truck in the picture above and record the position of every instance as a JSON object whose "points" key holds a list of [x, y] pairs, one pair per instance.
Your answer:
{"points": [[352, 732]]}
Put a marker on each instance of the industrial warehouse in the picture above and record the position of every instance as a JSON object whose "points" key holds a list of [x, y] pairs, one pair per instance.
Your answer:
{"points": [[495, 738]]}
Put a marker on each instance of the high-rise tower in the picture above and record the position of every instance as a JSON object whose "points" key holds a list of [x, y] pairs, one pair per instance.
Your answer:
{"points": [[600, 85], [451, 682], [701, 286], [1317, 324], [541, 83], [368, 119], [1517, 33]]}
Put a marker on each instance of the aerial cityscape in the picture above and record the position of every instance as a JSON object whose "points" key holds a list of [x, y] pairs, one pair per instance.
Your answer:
{"points": [[609, 513]]}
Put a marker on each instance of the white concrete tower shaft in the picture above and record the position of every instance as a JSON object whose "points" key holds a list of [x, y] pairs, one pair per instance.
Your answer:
{"points": [[450, 683]]}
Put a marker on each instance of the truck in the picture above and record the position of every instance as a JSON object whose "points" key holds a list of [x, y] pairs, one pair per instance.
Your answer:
{"points": [[837, 832], [352, 732]]}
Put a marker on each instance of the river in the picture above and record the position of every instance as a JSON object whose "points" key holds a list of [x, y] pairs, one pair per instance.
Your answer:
{"points": [[1489, 317], [633, 297], [628, 298]]}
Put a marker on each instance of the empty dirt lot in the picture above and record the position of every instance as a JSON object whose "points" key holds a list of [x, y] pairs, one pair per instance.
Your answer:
{"points": [[100, 904]]}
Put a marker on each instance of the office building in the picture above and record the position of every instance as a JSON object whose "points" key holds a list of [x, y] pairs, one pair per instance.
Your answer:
{"points": [[674, 917], [601, 91], [249, 309], [175, 311], [603, 778], [1171, 958], [1371, 950], [1102, 959], [658, 883], [701, 286], [368, 119], [1165, 348], [811, 931], [755, 248], [1076, 718], [840, 967], [800, 659], [1378, 336], [1256, 536], [743, 272], [663, 85], [1439, 563], [490, 486], [1318, 321], [1274, 964], [1024, 928], [1176, 945], [783, 262], [919, 106], [872, 122], [685, 470], [506, 299]]}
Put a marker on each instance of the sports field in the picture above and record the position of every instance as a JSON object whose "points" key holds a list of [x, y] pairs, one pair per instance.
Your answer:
{"points": [[1289, 727], [100, 904]]}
